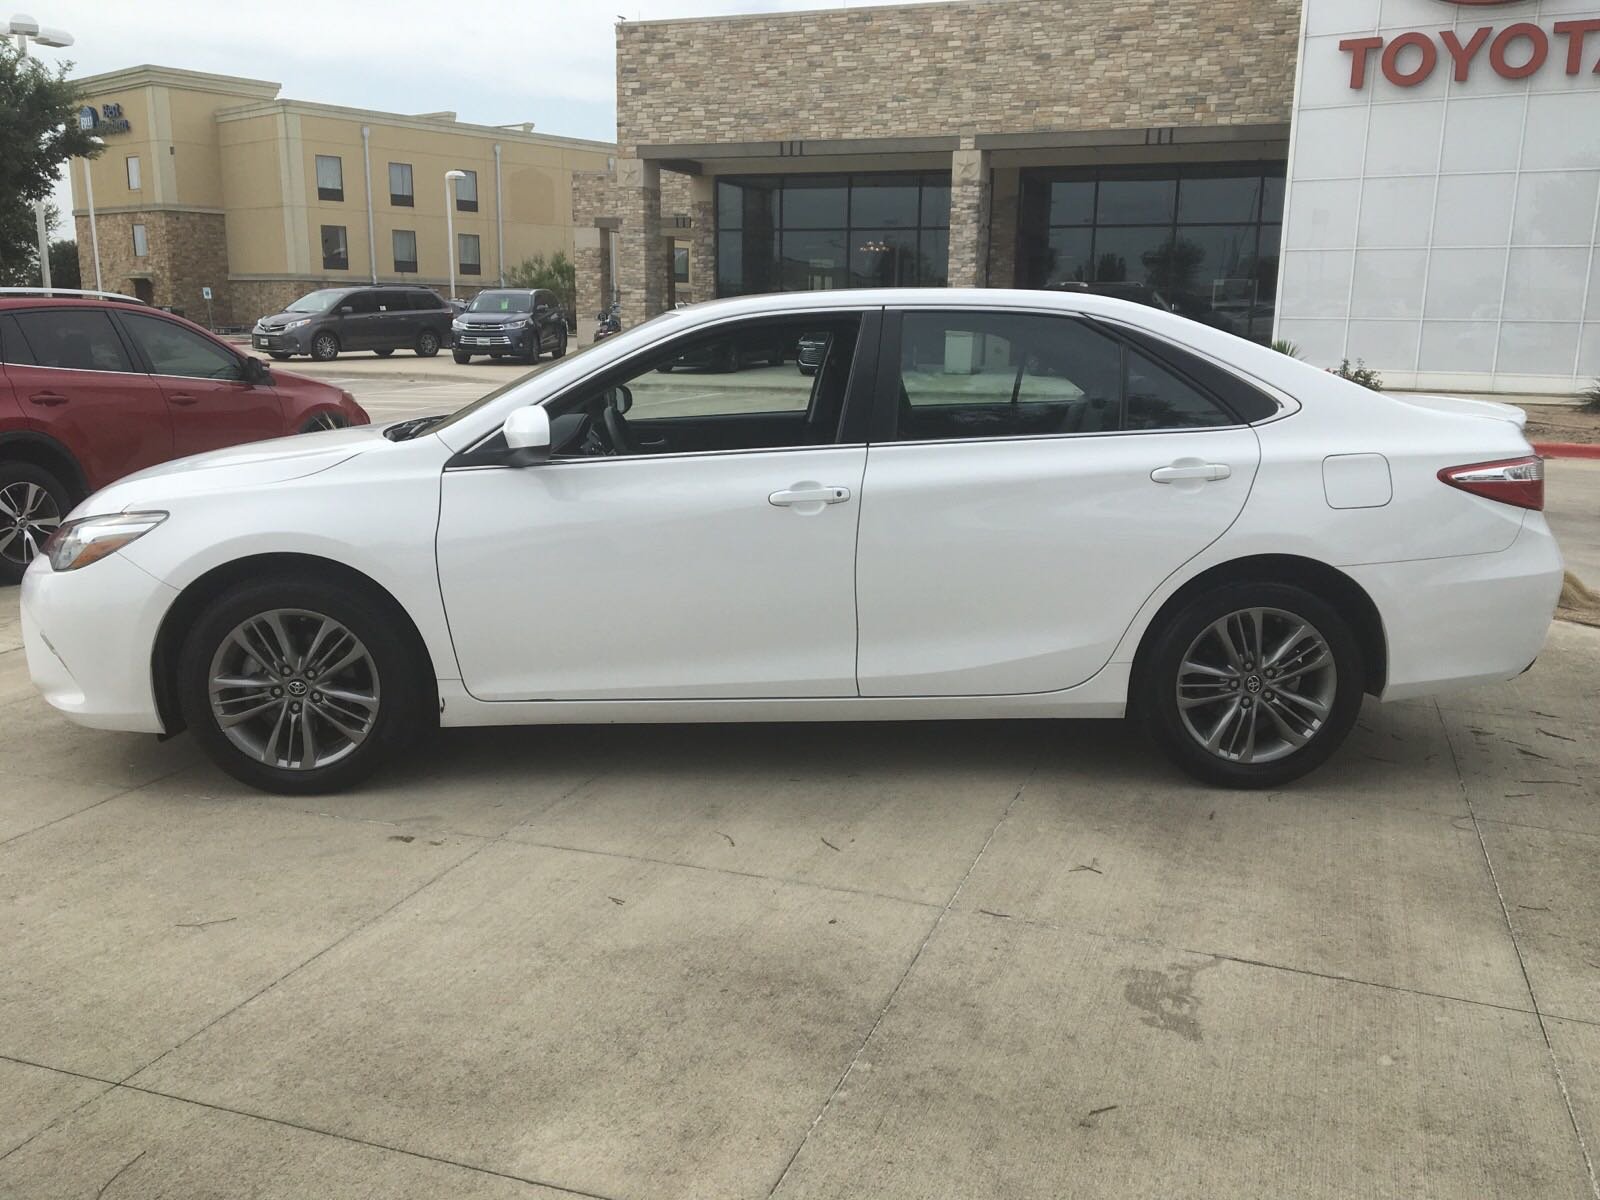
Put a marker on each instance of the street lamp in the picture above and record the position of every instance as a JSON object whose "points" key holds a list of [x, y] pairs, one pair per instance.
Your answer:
{"points": [[94, 233], [23, 27], [450, 178]]}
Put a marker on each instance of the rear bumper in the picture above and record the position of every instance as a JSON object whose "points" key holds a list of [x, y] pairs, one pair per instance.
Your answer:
{"points": [[88, 636], [1476, 618]]}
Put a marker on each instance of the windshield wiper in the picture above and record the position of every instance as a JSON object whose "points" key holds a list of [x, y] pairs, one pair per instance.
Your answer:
{"points": [[403, 431]]}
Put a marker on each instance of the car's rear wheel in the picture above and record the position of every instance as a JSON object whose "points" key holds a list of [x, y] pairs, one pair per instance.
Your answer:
{"points": [[325, 347], [462, 359], [1252, 685], [385, 352], [298, 685], [561, 345], [32, 504], [427, 344]]}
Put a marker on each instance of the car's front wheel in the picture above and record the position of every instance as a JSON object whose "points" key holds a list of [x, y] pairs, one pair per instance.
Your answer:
{"points": [[1252, 685], [325, 347], [462, 359], [299, 685], [32, 503]]}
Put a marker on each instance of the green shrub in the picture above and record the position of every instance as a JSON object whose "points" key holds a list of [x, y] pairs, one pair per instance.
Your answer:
{"points": [[1591, 398], [1285, 346], [1360, 373], [559, 275]]}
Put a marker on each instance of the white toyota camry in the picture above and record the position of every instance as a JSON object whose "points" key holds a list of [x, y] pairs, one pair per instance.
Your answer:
{"points": [[957, 504]]}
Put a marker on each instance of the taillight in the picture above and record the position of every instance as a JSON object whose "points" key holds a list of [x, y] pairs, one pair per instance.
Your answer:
{"points": [[1518, 481]]}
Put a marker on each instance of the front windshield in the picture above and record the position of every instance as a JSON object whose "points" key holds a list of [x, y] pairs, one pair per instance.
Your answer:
{"points": [[319, 301], [501, 302]]}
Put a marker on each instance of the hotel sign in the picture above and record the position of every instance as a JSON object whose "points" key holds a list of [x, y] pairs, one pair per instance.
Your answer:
{"points": [[1513, 51], [107, 119]]}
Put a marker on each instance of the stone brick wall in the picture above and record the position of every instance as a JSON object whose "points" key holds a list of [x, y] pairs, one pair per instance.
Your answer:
{"points": [[992, 66], [187, 251]]}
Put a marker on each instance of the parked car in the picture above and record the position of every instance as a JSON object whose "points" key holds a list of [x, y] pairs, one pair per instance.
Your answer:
{"points": [[812, 348], [332, 321], [511, 323], [988, 504], [93, 387]]}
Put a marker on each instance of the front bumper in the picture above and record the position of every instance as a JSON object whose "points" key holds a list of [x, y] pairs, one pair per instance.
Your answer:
{"points": [[1475, 618], [89, 637], [284, 343], [485, 341]]}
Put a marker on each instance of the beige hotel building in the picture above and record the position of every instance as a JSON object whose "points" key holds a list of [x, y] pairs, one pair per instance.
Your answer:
{"points": [[208, 181]]}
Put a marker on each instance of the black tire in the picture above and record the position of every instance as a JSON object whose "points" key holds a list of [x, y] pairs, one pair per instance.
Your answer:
{"points": [[496, 355], [384, 353], [40, 512], [403, 710], [461, 358], [427, 344], [325, 347], [561, 346], [280, 355], [1156, 687]]}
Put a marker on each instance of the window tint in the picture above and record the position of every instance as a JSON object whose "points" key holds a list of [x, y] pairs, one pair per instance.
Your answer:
{"points": [[426, 301], [335, 249], [77, 339], [359, 304], [973, 375], [174, 350], [330, 177], [391, 301], [970, 375], [756, 386], [12, 348]]}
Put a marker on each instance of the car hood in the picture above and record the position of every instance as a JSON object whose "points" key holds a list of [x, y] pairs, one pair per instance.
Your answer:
{"points": [[278, 320], [251, 465]]}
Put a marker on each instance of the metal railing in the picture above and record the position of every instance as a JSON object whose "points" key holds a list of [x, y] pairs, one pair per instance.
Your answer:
{"points": [[76, 292]]}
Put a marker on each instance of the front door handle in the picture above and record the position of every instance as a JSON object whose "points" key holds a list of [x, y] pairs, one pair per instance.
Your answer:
{"points": [[809, 493], [48, 399], [1200, 471], [183, 398]]}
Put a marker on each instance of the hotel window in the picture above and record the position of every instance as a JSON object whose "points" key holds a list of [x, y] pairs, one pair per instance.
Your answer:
{"points": [[141, 244], [335, 249], [330, 177], [133, 173], [680, 264], [400, 192], [467, 192], [405, 251], [471, 263]]}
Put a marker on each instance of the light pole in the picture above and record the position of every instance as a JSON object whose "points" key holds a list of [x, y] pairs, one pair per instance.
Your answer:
{"points": [[22, 27], [94, 233], [450, 178]]}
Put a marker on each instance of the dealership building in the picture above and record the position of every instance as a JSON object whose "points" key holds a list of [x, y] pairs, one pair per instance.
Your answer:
{"points": [[1415, 183]]}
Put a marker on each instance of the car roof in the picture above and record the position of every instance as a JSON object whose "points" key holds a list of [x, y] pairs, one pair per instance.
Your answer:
{"points": [[43, 301]]}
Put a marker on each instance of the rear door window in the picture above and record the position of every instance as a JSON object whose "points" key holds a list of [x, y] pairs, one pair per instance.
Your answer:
{"points": [[75, 339], [12, 348]]}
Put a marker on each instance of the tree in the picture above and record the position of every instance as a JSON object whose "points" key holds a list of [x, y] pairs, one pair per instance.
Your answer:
{"points": [[38, 132], [559, 275], [64, 272]]}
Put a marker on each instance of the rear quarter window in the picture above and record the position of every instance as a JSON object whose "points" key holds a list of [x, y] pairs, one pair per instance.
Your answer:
{"points": [[12, 348]]}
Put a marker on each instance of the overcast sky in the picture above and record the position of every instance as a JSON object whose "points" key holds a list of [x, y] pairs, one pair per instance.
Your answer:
{"points": [[552, 64]]}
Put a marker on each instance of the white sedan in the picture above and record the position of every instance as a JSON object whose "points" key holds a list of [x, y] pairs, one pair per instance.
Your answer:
{"points": [[981, 504]]}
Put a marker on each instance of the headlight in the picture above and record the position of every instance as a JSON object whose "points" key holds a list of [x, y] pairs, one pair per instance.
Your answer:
{"points": [[78, 543], [297, 324], [521, 323], [458, 326]]}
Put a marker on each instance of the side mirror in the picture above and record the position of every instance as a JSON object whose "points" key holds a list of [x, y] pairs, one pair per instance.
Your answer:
{"points": [[527, 433], [256, 372]]}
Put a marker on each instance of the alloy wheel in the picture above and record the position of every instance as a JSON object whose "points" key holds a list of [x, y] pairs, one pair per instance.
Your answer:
{"points": [[28, 515], [1256, 685], [322, 421], [294, 689]]}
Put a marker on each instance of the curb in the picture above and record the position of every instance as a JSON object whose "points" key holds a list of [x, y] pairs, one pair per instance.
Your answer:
{"points": [[1567, 449]]}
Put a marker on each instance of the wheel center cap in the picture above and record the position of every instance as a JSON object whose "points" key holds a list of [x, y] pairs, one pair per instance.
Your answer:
{"points": [[1253, 684], [296, 687]]}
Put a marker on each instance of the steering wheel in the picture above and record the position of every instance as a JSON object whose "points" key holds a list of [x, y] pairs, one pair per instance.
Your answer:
{"points": [[617, 431]]}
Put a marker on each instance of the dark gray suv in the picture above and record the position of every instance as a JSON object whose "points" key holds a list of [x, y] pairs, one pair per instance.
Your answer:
{"points": [[331, 321], [520, 323]]}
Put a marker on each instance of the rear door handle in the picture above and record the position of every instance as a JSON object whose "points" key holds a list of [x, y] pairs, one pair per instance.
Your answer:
{"points": [[809, 493], [1201, 471], [183, 398], [48, 399]]}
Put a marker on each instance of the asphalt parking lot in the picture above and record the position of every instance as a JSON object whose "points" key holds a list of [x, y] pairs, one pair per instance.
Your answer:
{"points": [[1015, 959]]}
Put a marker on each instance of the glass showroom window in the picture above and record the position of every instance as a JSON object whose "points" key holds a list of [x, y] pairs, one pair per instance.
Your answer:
{"points": [[471, 263], [1202, 240], [401, 194], [335, 249], [134, 179], [405, 251], [467, 192], [796, 233], [141, 243], [330, 177]]}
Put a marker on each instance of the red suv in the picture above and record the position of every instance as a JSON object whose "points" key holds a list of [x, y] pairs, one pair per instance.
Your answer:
{"points": [[94, 388]]}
